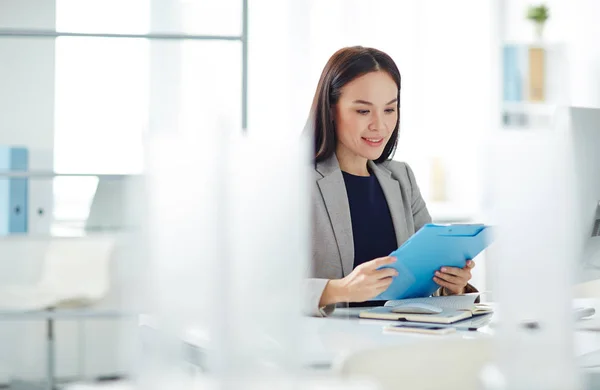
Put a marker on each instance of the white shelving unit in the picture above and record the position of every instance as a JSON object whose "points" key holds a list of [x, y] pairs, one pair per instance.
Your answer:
{"points": [[533, 83]]}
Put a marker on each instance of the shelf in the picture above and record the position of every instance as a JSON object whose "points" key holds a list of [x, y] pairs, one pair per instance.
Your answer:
{"points": [[529, 107], [50, 174], [533, 84], [535, 44]]}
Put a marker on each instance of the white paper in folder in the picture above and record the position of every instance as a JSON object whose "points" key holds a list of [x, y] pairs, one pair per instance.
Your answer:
{"points": [[76, 272]]}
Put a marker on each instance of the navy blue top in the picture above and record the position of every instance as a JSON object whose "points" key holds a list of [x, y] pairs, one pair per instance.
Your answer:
{"points": [[372, 226]]}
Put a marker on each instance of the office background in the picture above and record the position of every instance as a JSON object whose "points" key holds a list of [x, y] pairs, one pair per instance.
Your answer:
{"points": [[81, 104]]}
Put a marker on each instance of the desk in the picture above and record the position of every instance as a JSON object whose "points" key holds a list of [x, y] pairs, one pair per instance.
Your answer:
{"points": [[344, 332], [329, 339]]}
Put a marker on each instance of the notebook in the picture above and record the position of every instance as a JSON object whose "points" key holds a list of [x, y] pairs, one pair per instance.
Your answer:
{"points": [[447, 316], [454, 308], [450, 302]]}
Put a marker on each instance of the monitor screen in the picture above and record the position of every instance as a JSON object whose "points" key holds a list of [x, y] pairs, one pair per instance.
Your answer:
{"points": [[584, 145], [117, 204]]}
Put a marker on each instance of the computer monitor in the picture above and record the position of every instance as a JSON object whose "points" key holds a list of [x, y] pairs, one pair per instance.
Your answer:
{"points": [[584, 151], [117, 204]]}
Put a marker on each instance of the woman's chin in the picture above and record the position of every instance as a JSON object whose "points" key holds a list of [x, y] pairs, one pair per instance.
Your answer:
{"points": [[372, 155]]}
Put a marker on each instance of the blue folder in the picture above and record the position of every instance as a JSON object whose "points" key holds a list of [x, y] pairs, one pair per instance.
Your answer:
{"points": [[13, 191], [433, 247]]}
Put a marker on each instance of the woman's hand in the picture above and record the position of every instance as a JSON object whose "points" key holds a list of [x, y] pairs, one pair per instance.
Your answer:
{"points": [[365, 282], [453, 279]]}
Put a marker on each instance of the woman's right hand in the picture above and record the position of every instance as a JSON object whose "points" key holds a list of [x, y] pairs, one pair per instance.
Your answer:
{"points": [[365, 282]]}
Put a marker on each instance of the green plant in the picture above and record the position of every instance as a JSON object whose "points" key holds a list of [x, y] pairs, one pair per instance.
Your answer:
{"points": [[538, 14]]}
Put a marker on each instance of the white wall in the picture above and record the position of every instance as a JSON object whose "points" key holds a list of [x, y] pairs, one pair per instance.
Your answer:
{"points": [[26, 119], [27, 96], [27, 76]]}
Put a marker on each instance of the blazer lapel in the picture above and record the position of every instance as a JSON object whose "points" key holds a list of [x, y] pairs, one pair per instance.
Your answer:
{"points": [[393, 196], [333, 190]]}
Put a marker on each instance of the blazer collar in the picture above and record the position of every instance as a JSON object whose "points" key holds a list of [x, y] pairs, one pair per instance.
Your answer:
{"points": [[331, 165], [333, 190], [393, 195]]}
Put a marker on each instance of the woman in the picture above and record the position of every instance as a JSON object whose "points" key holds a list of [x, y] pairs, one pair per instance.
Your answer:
{"points": [[365, 204]]}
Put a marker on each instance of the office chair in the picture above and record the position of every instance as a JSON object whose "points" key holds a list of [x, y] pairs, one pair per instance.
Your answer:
{"points": [[421, 363], [75, 274]]}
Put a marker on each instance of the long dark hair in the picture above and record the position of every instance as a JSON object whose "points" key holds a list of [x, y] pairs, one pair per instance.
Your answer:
{"points": [[344, 66]]}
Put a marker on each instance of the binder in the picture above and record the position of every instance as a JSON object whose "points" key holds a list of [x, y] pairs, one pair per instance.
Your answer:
{"points": [[41, 192], [13, 191], [428, 250], [512, 79], [537, 90]]}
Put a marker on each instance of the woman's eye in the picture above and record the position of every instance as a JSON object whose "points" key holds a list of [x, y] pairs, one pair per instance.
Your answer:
{"points": [[363, 112], [390, 110]]}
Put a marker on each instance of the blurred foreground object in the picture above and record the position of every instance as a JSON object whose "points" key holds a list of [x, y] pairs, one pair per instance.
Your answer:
{"points": [[545, 191]]}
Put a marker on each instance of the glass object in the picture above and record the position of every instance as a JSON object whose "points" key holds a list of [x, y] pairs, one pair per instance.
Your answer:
{"points": [[101, 104], [103, 16]]}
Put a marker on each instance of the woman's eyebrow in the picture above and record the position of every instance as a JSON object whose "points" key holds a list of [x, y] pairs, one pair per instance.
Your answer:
{"points": [[359, 101]]}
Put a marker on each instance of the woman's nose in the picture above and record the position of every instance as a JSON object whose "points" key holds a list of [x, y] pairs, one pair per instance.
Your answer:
{"points": [[377, 123]]}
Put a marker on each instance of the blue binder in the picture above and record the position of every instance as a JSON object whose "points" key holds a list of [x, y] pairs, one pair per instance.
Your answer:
{"points": [[433, 247], [13, 191], [512, 81]]}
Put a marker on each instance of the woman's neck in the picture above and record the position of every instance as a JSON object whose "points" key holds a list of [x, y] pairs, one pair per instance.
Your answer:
{"points": [[351, 163]]}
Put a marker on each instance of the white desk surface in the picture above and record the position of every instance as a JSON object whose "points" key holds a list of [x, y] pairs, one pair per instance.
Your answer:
{"points": [[328, 339], [343, 332]]}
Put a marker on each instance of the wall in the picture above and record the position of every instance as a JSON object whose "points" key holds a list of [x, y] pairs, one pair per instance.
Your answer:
{"points": [[27, 76], [27, 119], [27, 96]]}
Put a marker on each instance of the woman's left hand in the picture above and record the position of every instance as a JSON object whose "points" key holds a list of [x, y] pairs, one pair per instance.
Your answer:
{"points": [[454, 279]]}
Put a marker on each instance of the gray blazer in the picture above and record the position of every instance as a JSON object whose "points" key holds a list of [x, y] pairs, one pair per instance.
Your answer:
{"points": [[332, 241]]}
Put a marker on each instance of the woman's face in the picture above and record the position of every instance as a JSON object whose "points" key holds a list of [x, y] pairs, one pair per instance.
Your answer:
{"points": [[366, 115]]}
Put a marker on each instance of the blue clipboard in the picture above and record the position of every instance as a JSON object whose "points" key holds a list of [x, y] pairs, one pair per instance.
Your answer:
{"points": [[429, 249]]}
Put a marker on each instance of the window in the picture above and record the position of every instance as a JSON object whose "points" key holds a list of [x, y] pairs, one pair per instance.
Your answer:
{"points": [[111, 90]]}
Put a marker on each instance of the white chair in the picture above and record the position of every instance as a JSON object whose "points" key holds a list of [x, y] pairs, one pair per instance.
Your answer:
{"points": [[589, 289], [75, 273], [446, 363]]}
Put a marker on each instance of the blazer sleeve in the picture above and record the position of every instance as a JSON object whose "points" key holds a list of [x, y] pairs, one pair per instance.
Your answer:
{"points": [[313, 290]]}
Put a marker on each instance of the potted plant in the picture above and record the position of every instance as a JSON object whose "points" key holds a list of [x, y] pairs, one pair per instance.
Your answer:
{"points": [[539, 15]]}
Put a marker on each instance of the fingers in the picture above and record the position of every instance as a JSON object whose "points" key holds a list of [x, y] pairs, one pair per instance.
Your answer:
{"points": [[385, 273], [380, 262], [450, 286], [457, 271], [457, 280], [454, 271], [383, 284]]}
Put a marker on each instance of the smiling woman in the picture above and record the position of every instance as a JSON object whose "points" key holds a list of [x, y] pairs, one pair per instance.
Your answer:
{"points": [[365, 204], [365, 126], [367, 77]]}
